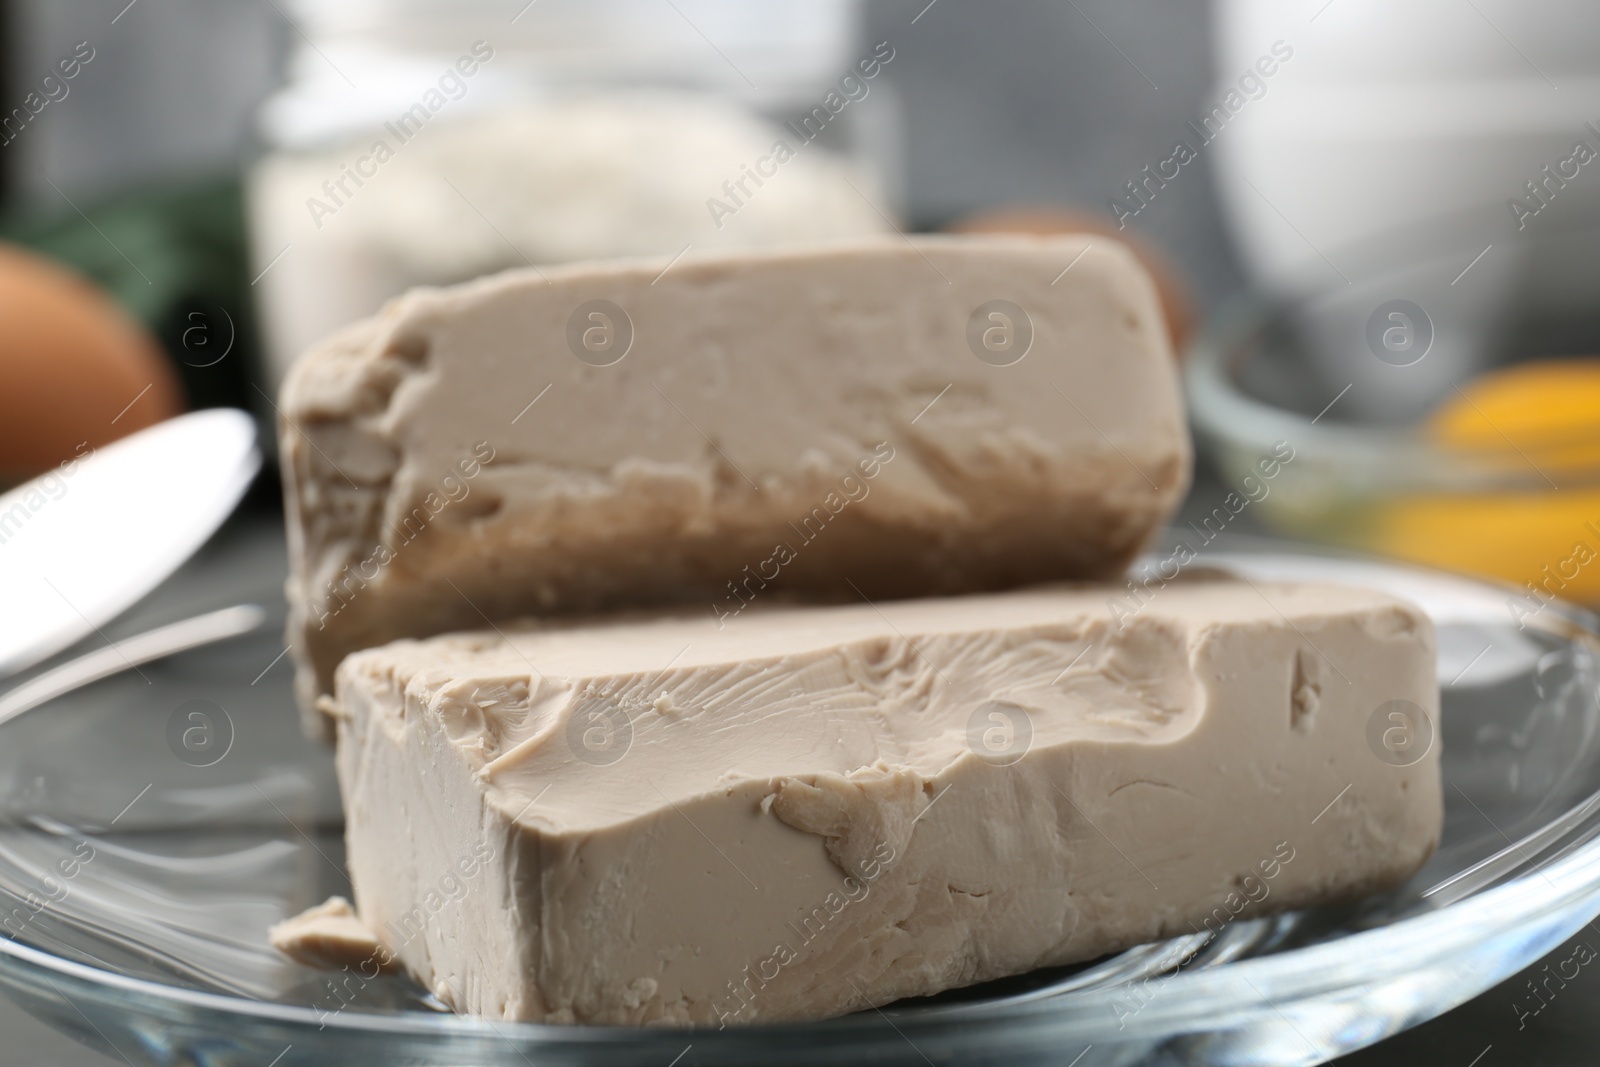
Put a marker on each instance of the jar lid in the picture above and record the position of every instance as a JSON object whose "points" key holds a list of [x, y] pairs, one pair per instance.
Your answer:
{"points": [[360, 63]]}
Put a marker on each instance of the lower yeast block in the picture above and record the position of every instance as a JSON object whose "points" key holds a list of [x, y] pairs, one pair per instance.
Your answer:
{"points": [[810, 810]]}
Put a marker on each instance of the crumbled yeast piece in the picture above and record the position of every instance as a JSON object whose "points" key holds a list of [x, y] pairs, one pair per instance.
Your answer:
{"points": [[329, 935]]}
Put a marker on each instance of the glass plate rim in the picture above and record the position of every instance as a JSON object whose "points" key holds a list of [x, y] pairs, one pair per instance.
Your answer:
{"points": [[1571, 884]]}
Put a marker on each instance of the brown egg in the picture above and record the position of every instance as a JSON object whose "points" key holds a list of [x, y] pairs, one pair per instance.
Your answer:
{"points": [[76, 369], [1176, 303]]}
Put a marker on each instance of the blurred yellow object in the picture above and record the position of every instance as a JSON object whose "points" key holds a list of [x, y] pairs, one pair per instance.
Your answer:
{"points": [[1545, 413], [1544, 416]]}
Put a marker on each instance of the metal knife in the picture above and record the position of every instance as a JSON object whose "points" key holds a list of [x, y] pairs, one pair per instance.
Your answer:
{"points": [[82, 543]]}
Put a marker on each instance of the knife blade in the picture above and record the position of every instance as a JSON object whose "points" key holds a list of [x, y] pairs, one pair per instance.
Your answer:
{"points": [[82, 543]]}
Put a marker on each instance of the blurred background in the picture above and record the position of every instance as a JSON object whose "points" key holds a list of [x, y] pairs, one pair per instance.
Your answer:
{"points": [[1373, 224], [1374, 227]]}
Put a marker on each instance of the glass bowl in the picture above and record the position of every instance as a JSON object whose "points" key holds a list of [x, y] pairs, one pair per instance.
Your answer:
{"points": [[141, 864], [1334, 388]]}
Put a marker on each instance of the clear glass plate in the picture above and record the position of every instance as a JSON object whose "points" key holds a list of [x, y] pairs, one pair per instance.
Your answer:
{"points": [[154, 823]]}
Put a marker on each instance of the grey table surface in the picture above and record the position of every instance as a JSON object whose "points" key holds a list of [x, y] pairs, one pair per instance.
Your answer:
{"points": [[1494, 1029]]}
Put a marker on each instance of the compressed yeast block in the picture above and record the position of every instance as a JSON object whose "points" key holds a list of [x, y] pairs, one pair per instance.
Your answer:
{"points": [[908, 418], [811, 809]]}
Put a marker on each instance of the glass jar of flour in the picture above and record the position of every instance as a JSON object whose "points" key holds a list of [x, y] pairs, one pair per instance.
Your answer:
{"points": [[424, 142]]}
